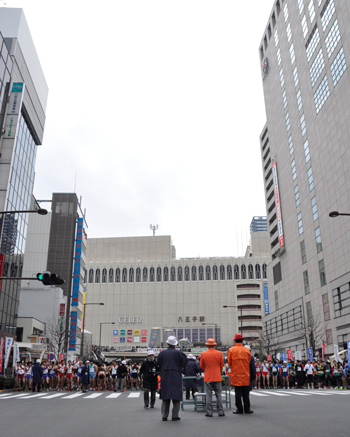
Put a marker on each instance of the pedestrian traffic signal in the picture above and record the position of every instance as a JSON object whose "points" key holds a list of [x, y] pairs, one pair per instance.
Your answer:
{"points": [[48, 278]]}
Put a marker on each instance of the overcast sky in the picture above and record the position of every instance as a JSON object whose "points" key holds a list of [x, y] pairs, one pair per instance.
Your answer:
{"points": [[154, 114]]}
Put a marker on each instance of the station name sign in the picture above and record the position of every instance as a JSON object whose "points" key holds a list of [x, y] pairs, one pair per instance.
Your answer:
{"points": [[130, 320]]}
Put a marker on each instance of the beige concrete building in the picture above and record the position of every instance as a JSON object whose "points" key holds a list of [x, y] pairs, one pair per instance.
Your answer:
{"points": [[148, 293]]}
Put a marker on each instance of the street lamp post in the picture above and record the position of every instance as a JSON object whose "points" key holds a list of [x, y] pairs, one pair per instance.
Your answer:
{"points": [[334, 214], [103, 323], [241, 309], [82, 334], [216, 328], [39, 211]]}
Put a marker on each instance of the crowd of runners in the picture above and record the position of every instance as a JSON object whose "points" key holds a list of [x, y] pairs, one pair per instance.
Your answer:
{"points": [[120, 376]]}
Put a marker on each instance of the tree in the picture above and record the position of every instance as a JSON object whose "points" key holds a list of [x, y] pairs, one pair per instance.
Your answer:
{"points": [[55, 332], [313, 330], [267, 343]]}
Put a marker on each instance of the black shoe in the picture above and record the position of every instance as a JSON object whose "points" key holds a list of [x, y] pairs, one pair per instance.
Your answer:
{"points": [[152, 406], [222, 414], [174, 419], [249, 412], [164, 419], [209, 415], [146, 406], [237, 412]]}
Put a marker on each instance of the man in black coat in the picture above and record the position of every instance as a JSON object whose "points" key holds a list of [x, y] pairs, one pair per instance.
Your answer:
{"points": [[148, 373], [37, 375], [85, 376], [172, 363], [192, 369]]}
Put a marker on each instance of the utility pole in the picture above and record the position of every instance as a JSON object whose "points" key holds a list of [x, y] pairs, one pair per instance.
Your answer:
{"points": [[154, 229]]}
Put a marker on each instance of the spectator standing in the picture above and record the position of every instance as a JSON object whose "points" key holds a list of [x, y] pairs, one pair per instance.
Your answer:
{"points": [[85, 377], [148, 373], [171, 363], [238, 358], [37, 376], [212, 362], [192, 369], [121, 374]]}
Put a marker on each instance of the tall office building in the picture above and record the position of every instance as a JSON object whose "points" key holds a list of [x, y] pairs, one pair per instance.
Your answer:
{"points": [[305, 154], [23, 98], [258, 224]]}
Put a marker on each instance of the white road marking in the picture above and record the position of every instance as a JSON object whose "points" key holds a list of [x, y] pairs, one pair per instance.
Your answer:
{"points": [[56, 395], [113, 395], [94, 395], [134, 395], [73, 396]]}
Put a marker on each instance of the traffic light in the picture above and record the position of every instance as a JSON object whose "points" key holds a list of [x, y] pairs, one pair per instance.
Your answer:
{"points": [[48, 278]]}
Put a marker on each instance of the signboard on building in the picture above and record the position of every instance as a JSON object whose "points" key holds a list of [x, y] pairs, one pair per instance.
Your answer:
{"points": [[62, 309], [266, 298], [14, 110], [2, 260], [77, 260], [115, 339], [73, 330], [115, 331], [143, 331], [278, 204], [1, 349]]}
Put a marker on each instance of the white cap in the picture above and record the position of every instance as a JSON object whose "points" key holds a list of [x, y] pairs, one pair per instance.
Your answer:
{"points": [[123, 362], [87, 362], [247, 346], [191, 357], [38, 361], [172, 340], [284, 362], [150, 352]]}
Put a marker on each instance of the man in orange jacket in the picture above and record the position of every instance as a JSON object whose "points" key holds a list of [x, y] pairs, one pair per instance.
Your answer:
{"points": [[212, 362], [238, 358]]}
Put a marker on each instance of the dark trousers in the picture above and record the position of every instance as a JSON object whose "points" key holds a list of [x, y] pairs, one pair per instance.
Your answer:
{"points": [[242, 392], [146, 393], [36, 384], [166, 407], [188, 392]]}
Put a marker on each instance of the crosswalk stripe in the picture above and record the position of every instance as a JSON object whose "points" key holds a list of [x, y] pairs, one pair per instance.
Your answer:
{"points": [[35, 396], [56, 395], [255, 394], [273, 393], [113, 395], [300, 394], [94, 395], [73, 396], [8, 396], [323, 394], [134, 395]]}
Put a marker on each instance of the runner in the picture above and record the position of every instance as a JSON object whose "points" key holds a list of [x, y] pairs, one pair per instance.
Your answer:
{"points": [[61, 376], [113, 373], [28, 377], [266, 374], [327, 375], [309, 369], [45, 367], [258, 372], [284, 375], [275, 374], [92, 375], [291, 374], [69, 376]]}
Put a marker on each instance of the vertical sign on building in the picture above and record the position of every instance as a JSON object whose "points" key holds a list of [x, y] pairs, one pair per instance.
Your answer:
{"points": [[266, 298], [77, 260], [73, 330], [1, 349], [14, 110], [278, 204], [2, 260], [8, 344]]}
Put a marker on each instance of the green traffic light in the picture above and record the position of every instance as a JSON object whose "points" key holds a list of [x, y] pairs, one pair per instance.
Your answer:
{"points": [[40, 276]]}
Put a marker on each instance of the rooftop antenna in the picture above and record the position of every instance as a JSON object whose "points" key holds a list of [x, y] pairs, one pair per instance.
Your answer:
{"points": [[154, 228]]}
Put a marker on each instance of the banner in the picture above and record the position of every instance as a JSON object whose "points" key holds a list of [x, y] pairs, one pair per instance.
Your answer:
{"points": [[42, 354], [16, 356], [1, 349], [336, 354], [2, 260], [266, 298], [298, 355], [277, 196], [290, 354], [269, 357], [73, 330], [323, 350], [310, 353], [283, 356], [61, 357], [8, 344], [348, 354], [278, 356], [77, 260]]}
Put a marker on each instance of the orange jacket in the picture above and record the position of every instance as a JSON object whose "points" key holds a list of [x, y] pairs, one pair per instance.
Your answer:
{"points": [[212, 361], [238, 358]]}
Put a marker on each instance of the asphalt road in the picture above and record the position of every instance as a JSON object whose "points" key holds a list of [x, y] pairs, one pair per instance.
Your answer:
{"points": [[276, 413]]}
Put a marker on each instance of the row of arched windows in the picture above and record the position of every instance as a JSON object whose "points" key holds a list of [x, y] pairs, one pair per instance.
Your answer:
{"points": [[181, 274]]}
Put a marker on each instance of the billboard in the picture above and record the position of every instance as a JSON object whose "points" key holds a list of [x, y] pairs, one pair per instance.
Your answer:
{"points": [[278, 204], [77, 259]]}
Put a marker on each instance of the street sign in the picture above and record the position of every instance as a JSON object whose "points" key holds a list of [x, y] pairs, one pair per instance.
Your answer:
{"points": [[51, 356]]}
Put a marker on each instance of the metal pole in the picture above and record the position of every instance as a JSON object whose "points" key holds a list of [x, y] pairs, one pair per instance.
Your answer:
{"points": [[99, 346], [241, 321]]}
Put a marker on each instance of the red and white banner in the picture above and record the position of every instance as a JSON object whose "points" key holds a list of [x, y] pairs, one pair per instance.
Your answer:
{"points": [[323, 350], [269, 357], [62, 309], [290, 354], [61, 357], [1, 349]]}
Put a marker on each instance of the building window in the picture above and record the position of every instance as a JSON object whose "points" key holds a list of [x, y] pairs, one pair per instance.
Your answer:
{"points": [[91, 276], [306, 282], [285, 12], [312, 43], [303, 252], [124, 275], [287, 121], [294, 170], [326, 14], [304, 26], [314, 208], [111, 275], [329, 336], [243, 271], [307, 151], [97, 276], [194, 273], [276, 300], [299, 100], [159, 274], [281, 77], [207, 273], [289, 33], [297, 198], [264, 268], [279, 57], [172, 274], [151, 274], [276, 38], [321, 94], [117, 275], [316, 67], [236, 271], [326, 312], [187, 273], [229, 271], [131, 274], [215, 273], [138, 274], [284, 99], [322, 272], [338, 67], [145, 274], [257, 271], [85, 275], [300, 224], [301, 6], [201, 273], [104, 276], [222, 273], [308, 311], [332, 39], [277, 273], [311, 11], [166, 274], [302, 125], [250, 272], [290, 145], [311, 179], [295, 76], [179, 273], [318, 240]]}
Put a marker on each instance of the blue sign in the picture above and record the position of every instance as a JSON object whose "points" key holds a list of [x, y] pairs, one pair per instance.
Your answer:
{"points": [[283, 356], [17, 87], [122, 339], [77, 258], [310, 353], [348, 356], [115, 331], [73, 330], [266, 298]]}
